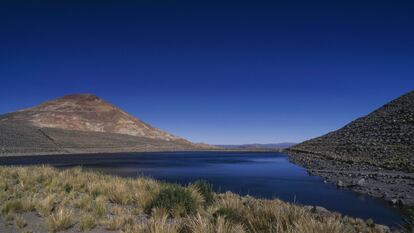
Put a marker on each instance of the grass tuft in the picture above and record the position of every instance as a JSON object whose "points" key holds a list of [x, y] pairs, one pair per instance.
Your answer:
{"points": [[119, 193], [12, 206], [20, 222], [45, 206], [205, 189], [161, 224], [60, 220], [177, 200], [205, 224], [87, 222], [99, 207]]}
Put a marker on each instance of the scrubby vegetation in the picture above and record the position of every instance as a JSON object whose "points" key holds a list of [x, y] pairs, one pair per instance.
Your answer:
{"points": [[73, 199]]}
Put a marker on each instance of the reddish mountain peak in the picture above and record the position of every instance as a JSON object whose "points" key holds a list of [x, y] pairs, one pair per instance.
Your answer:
{"points": [[85, 112], [84, 97]]}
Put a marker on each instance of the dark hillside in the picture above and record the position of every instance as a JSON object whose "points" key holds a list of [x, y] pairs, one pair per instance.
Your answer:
{"points": [[383, 138]]}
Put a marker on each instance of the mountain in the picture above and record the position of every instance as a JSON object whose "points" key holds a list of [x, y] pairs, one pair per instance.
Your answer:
{"points": [[275, 146], [82, 123], [383, 138], [85, 112]]}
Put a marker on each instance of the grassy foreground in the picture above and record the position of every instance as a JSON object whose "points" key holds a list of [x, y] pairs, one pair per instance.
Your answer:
{"points": [[76, 200]]}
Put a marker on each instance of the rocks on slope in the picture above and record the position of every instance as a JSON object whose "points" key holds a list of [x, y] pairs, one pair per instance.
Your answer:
{"points": [[383, 138], [372, 155]]}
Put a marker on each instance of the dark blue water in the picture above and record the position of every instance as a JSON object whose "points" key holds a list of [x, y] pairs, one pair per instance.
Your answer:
{"points": [[265, 175]]}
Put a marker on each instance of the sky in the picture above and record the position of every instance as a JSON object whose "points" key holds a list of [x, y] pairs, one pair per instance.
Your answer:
{"points": [[220, 72]]}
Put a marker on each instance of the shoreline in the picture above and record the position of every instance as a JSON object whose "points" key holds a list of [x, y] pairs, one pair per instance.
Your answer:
{"points": [[395, 187], [65, 199], [34, 154]]}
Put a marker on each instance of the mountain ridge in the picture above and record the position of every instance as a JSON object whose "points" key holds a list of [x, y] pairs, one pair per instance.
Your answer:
{"points": [[278, 146]]}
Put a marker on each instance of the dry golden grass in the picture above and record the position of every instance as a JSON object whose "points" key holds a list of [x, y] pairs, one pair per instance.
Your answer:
{"points": [[20, 222], [62, 219], [87, 222], [113, 223], [12, 206], [85, 200], [118, 192], [99, 207], [158, 223], [45, 206], [206, 224]]}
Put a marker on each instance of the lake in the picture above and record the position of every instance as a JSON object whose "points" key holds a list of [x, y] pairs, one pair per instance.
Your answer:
{"points": [[264, 175]]}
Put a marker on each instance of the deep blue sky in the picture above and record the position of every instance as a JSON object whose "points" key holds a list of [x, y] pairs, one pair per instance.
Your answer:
{"points": [[219, 72]]}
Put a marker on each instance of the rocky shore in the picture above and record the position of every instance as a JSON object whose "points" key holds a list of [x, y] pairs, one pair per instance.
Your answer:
{"points": [[394, 186], [373, 154]]}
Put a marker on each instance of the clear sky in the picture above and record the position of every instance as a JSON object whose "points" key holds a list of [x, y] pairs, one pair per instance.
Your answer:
{"points": [[221, 72]]}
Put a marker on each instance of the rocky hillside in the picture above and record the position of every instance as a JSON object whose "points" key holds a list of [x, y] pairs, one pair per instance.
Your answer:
{"points": [[85, 112], [383, 138], [82, 123]]}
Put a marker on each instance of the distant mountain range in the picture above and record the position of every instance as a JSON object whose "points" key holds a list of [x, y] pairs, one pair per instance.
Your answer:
{"points": [[383, 138], [82, 123], [259, 146]]}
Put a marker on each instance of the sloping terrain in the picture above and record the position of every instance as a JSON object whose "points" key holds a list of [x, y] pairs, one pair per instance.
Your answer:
{"points": [[373, 154], [18, 139], [85, 112], [22, 139], [383, 138], [82, 123]]}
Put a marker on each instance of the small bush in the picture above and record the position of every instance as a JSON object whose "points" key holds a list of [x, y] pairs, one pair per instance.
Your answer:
{"points": [[206, 190], [177, 200]]}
